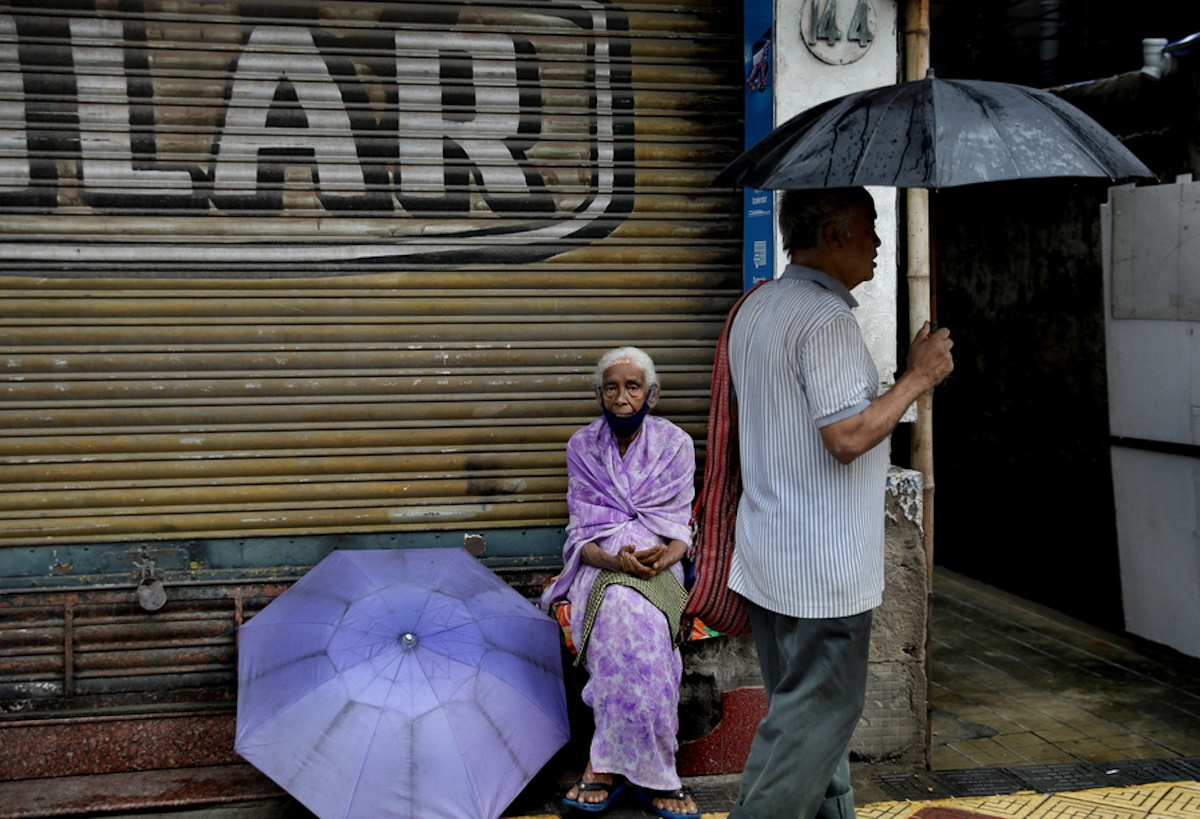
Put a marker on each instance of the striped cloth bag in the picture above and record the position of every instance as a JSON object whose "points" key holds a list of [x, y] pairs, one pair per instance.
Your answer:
{"points": [[715, 511]]}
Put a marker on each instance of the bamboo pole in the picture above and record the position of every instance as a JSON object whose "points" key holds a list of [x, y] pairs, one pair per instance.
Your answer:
{"points": [[920, 295], [920, 291]]}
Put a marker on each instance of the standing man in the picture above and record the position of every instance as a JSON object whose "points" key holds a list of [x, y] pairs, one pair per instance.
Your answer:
{"points": [[809, 556]]}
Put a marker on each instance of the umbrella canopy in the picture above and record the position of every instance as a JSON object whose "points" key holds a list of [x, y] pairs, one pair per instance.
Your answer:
{"points": [[933, 133], [400, 683]]}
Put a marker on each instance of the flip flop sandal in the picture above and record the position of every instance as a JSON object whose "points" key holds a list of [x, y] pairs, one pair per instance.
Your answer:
{"points": [[614, 790], [648, 797]]}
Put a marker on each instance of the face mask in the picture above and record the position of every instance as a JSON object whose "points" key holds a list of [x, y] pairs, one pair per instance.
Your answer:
{"points": [[626, 427]]}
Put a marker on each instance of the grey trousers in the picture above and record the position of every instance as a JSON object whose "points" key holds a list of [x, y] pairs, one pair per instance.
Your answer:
{"points": [[815, 672]]}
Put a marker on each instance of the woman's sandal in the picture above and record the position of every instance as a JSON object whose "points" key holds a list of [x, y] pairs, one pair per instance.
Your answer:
{"points": [[614, 789], [679, 795]]}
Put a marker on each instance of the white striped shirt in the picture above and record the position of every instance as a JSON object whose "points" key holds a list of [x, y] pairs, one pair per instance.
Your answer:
{"points": [[809, 529]]}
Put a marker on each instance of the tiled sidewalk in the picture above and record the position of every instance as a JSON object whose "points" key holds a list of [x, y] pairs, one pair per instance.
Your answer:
{"points": [[1016, 684]]}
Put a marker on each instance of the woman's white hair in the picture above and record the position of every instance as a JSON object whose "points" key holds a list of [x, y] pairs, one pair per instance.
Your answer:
{"points": [[635, 356]]}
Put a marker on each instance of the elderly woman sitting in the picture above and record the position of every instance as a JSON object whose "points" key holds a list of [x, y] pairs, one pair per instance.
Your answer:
{"points": [[629, 494]]}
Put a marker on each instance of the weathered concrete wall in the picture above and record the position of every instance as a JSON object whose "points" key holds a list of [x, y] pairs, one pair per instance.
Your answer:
{"points": [[894, 724]]}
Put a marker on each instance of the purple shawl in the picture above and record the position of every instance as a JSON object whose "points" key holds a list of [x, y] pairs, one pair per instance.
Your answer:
{"points": [[644, 498]]}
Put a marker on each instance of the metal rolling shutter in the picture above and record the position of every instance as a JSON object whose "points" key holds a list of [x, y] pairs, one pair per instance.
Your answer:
{"points": [[276, 268]]}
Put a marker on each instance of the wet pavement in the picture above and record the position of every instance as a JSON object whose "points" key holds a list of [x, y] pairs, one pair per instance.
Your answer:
{"points": [[1018, 684], [1035, 715]]}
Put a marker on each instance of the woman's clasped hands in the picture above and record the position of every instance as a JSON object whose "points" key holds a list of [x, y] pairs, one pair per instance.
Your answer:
{"points": [[649, 562]]}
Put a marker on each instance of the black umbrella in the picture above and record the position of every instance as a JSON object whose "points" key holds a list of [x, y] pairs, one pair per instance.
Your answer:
{"points": [[934, 133]]}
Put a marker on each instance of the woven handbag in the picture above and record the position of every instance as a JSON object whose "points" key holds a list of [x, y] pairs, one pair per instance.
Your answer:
{"points": [[714, 513]]}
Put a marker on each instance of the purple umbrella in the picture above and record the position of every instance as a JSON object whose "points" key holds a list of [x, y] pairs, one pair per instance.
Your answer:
{"points": [[400, 683]]}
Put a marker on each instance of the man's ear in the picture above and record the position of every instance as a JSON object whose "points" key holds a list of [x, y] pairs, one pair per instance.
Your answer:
{"points": [[652, 396], [599, 397], [832, 235]]}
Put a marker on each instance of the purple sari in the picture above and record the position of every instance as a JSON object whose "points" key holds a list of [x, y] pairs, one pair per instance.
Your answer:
{"points": [[634, 668]]}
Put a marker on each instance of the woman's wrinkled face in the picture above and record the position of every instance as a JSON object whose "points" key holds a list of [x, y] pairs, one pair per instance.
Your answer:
{"points": [[623, 391]]}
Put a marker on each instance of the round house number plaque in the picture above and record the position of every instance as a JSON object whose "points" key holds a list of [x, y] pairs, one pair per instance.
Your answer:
{"points": [[837, 31]]}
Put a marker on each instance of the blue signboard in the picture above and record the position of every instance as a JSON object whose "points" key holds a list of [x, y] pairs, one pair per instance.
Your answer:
{"points": [[758, 235]]}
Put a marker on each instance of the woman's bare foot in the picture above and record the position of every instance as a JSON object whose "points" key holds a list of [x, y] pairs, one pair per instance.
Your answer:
{"points": [[590, 796], [678, 801]]}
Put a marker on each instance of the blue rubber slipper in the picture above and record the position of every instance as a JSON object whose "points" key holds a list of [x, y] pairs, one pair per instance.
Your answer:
{"points": [[614, 790], [648, 797]]}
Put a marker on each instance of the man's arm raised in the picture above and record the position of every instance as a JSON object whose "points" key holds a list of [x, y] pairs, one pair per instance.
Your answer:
{"points": [[929, 362]]}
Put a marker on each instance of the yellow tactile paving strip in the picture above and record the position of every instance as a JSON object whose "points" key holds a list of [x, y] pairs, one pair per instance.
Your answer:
{"points": [[1170, 800], [1179, 800], [1167, 800]]}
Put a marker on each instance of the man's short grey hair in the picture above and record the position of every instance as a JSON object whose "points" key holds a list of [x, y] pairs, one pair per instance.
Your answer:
{"points": [[635, 356], [803, 214]]}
